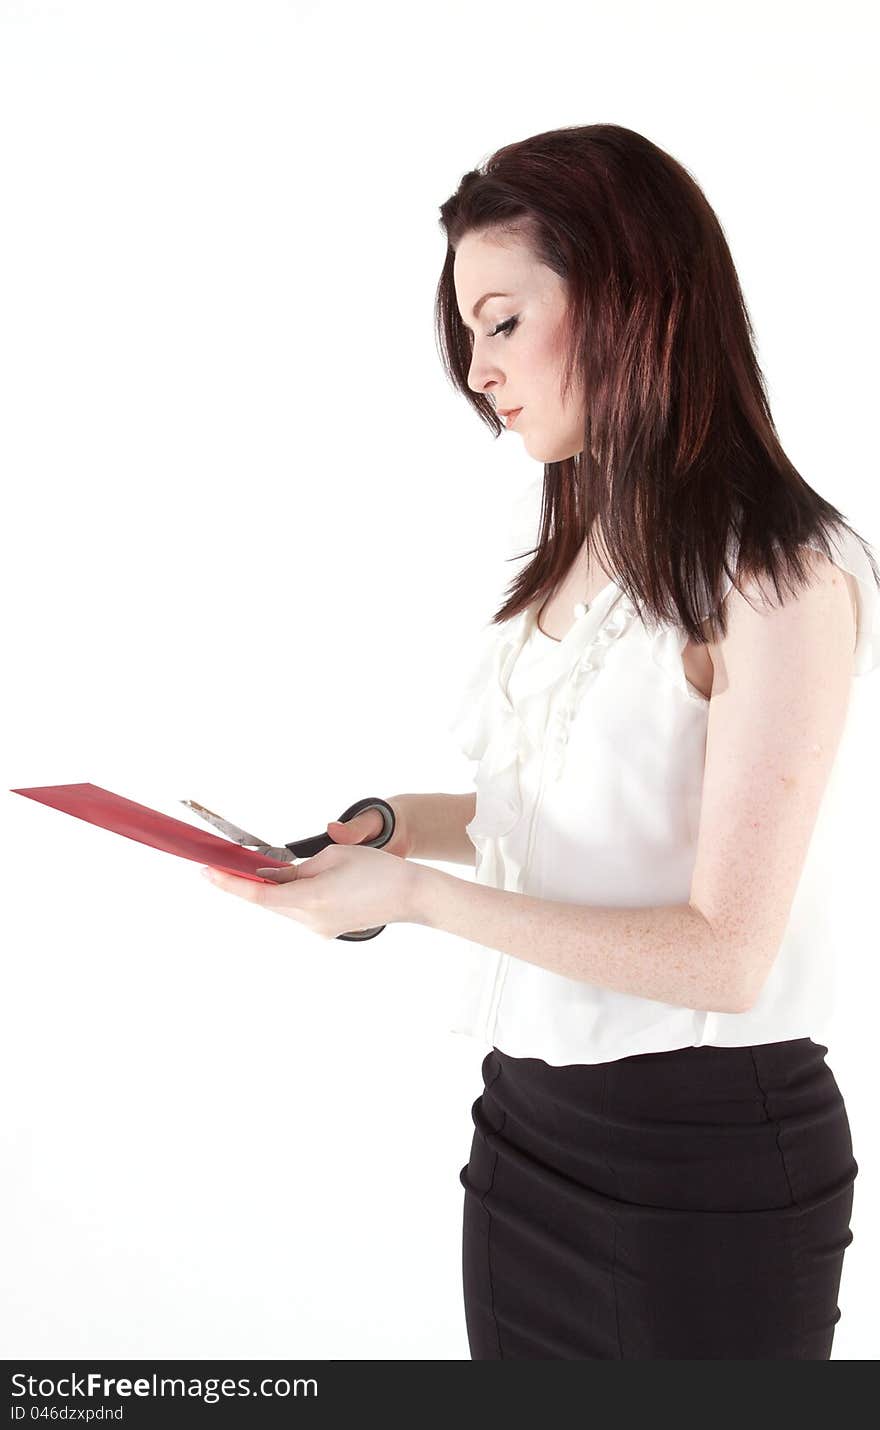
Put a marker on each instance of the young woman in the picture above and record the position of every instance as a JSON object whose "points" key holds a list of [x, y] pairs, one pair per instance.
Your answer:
{"points": [[661, 1166]]}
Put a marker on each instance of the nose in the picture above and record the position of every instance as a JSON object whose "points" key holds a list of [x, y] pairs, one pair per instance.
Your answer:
{"points": [[484, 386], [482, 376]]}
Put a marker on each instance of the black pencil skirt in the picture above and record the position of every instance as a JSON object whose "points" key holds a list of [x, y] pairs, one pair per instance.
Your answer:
{"points": [[684, 1205]]}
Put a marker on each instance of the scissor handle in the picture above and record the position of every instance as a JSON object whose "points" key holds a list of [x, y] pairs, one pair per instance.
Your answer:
{"points": [[314, 843]]}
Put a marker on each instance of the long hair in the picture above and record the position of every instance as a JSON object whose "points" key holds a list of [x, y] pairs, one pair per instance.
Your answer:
{"points": [[680, 455]]}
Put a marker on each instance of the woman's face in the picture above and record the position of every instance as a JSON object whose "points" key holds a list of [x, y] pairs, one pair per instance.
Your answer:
{"points": [[521, 365]]}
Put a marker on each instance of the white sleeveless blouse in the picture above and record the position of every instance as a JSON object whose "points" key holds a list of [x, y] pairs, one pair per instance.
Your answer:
{"points": [[590, 754]]}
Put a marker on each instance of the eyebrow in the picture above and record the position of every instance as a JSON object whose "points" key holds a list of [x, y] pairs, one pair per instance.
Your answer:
{"points": [[484, 299]]}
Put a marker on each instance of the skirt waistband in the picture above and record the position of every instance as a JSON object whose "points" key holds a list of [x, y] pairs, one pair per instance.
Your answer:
{"points": [[762, 1126]]}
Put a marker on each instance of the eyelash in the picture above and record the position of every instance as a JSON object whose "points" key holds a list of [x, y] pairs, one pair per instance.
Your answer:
{"points": [[506, 328]]}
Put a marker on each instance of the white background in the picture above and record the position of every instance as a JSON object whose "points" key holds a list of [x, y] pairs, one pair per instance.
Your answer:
{"points": [[250, 537]]}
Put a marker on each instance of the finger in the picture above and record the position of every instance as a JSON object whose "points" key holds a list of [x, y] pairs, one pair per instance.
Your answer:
{"points": [[365, 825], [279, 874], [233, 884]]}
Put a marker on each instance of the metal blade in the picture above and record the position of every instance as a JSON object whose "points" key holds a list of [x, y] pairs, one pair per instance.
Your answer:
{"points": [[238, 835]]}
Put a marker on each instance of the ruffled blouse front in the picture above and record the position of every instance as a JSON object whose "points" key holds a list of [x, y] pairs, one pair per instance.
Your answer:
{"points": [[503, 727]]}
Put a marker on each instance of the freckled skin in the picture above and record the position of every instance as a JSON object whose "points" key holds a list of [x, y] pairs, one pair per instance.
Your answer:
{"points": [[783, 676]]}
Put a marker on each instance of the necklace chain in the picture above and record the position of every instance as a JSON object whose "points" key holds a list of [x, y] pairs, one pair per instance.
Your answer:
{"points": [[580, 608]]}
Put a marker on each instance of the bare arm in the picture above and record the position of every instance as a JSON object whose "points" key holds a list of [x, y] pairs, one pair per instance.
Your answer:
{"points": [[436, 825], [668, 952]]}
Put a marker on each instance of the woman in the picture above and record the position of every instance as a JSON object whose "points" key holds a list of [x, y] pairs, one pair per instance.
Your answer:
{"points": [[661, 1166]]}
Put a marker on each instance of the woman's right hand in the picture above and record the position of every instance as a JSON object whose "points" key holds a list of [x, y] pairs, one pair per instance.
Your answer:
{"points": [[368, 824]]}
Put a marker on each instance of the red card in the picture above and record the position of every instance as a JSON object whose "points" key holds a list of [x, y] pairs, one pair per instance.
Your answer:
{"points": [[148, 826]]}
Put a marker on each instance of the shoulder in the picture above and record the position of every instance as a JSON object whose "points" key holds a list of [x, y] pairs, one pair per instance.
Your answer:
{"points": [[824, 611]]}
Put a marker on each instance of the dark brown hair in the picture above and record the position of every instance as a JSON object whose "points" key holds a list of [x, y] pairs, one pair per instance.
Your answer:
{"points": [[680, 455]]}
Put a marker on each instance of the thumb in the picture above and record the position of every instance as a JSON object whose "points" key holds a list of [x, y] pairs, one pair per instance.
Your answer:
{"points": [[352, 831]]}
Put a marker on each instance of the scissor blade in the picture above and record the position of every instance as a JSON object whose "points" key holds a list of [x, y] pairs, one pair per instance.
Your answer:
{"points": [[233, 832]]}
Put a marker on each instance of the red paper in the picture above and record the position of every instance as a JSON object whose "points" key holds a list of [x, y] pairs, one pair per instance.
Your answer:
{"points": [[148, 826]]}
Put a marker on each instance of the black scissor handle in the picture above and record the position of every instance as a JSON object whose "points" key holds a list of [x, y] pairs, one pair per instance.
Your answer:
{"points": [[314, 843]]}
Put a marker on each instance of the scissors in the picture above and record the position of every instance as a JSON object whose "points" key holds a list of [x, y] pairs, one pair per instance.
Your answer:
{"points": [[305, 848]]}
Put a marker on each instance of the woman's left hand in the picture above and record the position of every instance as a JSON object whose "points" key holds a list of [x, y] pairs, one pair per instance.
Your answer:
{"points": [[341, 889]]}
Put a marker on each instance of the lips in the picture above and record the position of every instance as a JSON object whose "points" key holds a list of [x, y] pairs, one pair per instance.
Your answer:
{"points": [[510, 416]]}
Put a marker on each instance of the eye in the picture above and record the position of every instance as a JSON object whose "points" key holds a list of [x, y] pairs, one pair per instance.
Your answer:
{"points": [[506, 328]]}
